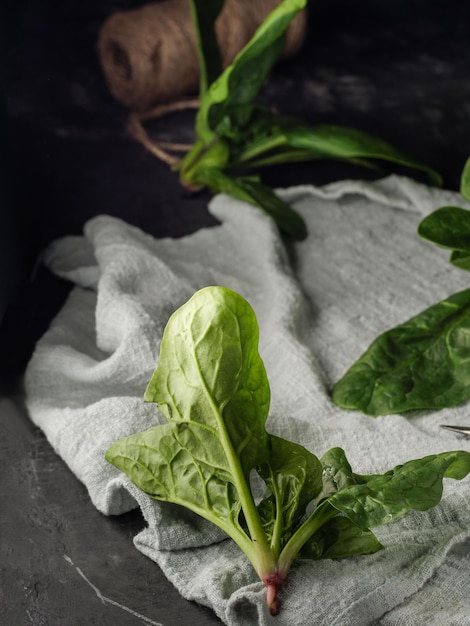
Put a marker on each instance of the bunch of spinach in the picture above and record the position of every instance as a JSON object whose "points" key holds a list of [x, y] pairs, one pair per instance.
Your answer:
{"points": [[423, 363], [211, 386], [235, 134]]}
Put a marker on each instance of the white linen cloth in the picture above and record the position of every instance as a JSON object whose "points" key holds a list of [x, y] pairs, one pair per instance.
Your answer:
{"points": [[319, 304]]}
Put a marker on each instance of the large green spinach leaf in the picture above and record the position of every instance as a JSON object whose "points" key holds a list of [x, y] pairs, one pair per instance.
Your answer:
{"points": [[295, 140], [211, 386], [423, 363], [229, 99]]}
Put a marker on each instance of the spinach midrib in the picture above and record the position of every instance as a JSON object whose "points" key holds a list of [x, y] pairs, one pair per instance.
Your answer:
{"points": [[239, 480], [232, 530]]}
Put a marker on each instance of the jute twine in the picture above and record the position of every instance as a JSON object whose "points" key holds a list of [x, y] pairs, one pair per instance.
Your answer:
{"points": [[149, 55]]}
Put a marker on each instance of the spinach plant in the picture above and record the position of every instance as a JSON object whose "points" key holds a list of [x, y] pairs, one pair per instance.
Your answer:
{"points": [[211, 386], [235, 134], [423, 363]]}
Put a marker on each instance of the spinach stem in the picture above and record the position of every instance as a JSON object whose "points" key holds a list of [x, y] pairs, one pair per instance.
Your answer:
{"points": [[260, 147], [278, 526], [261, 555], [320, 516]]}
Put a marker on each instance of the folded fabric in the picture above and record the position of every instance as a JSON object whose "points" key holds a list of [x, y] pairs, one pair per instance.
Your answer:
{"points": [[319, 304]]}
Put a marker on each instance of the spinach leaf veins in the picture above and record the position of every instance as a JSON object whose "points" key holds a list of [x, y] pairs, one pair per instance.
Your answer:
{"points": [[211, 386], [423, 363]]}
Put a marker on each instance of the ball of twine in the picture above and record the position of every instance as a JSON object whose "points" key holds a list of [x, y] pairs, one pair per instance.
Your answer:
{"points": [[149, 55]]}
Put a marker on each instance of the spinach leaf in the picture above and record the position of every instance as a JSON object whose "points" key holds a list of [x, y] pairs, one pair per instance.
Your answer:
{"points": [[460, 259], [415, 485], [465, 181], [293, 477], [235, 133], [423, 363], [327, 141], [339, 538], [376, 500], [228, 100], [210, 372], [165, 463], [204, 14], [448, 227], [211, 386], [337, 473], [251, 190]]}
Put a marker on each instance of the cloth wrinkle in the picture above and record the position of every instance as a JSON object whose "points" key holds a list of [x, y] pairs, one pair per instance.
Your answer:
{"points": [[319, 304], [436, 556]]}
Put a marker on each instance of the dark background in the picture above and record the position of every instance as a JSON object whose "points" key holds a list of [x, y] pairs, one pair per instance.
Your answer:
{"points": [[396, 69]]}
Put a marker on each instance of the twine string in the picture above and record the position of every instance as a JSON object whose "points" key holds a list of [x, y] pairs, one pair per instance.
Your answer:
{"points": [[149, 55], [161, 149]]}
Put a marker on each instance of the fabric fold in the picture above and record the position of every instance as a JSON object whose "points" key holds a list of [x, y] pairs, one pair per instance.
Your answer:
{"points": [[319, 304]]}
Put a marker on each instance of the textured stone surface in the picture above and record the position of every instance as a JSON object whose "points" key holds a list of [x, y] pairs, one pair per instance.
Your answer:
{"points": [[62, 561]]}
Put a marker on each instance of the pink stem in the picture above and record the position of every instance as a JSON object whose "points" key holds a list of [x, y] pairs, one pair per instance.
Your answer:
{"points": [[273, 583]]}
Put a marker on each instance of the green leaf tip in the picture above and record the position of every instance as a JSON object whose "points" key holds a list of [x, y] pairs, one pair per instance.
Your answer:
{"points": [[465, 180], [204, 14]]}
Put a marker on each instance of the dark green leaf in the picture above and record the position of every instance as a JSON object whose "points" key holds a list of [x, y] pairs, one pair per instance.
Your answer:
{"points": [[415, 485], [211, 386], [448, 227], [273, 137], [293, 476], [204, 14], [285, 217], [279, 156], [372, 501], [465, 181], [337, 473], [254, 192], [421, 364], [461, 259], [339, 538], [338, 142], [233, 92]]}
